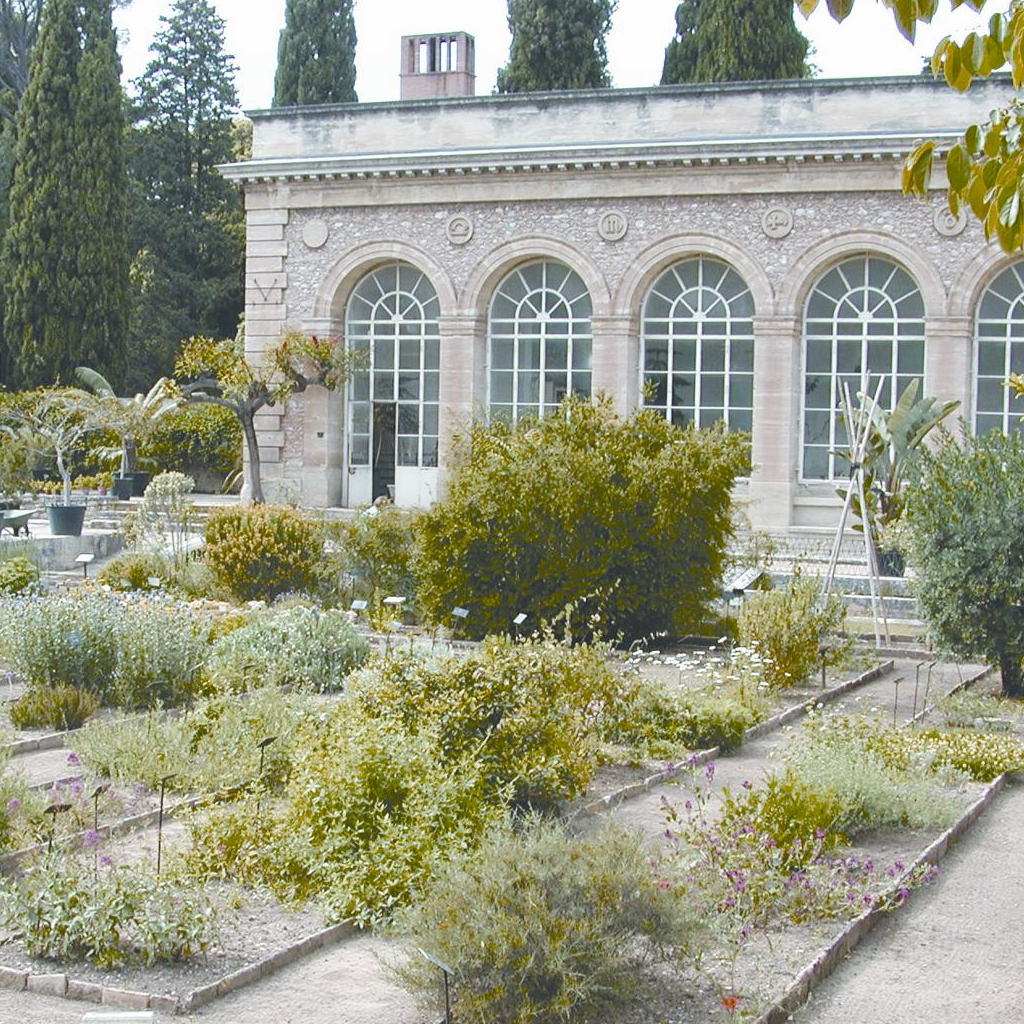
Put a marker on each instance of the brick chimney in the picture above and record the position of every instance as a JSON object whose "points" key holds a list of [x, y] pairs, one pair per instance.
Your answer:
{"points": [[436, 66]]}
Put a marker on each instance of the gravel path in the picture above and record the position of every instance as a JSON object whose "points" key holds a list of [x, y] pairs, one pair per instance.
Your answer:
{"points": [[953, 954]]}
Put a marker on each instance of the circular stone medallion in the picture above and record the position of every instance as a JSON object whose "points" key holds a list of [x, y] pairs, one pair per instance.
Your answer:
{"points": [[459, 229], [612, 225], [777, 222], [948, 224], [315, 233]]}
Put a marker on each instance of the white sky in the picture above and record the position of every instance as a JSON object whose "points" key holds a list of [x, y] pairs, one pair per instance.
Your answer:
{"points": [[867, 43]]}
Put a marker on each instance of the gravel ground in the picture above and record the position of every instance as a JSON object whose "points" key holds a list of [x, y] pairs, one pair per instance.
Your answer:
{"points": [[953, 955]]}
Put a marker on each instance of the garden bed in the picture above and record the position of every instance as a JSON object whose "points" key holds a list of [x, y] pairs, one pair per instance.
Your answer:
{"points": [[255, 931]]}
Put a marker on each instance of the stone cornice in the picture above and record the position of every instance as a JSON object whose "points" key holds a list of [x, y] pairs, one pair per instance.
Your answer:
{"points": [[795, 151]]}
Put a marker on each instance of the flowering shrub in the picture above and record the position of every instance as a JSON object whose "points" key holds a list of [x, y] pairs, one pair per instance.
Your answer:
{"points": [[67, 912], [982, 756], [738, 875], [129, 652], [18, 575], [260, 551], [53, 707], [302, 646], [541, 926], [793, 631], [527, 710]]}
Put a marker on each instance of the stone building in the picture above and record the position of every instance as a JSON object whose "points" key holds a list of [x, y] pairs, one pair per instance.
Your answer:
{"points": [[728, 251]]}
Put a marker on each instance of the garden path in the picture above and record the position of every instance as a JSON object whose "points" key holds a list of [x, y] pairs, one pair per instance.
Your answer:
{"points": [[953, 954], [752, 760], [41, 766]]}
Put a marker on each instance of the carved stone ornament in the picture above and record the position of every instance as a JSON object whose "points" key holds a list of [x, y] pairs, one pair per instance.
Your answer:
{"points": [[947, 224], [315, 233], [612, 225], [459, 230], [777, 222]]}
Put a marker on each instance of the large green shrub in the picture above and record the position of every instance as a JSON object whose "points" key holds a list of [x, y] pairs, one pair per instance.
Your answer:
{"points": [[793, 631], [542, 927], [195, 438], [303, 646], [526, 710], [260, 551], [371, 812], [625, 518], [128, 652]]}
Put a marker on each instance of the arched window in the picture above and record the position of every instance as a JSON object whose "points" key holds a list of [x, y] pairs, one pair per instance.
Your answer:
{"points": [[540, 340], [1000, 352], [393, 401], [864, 321], [697, 354]]}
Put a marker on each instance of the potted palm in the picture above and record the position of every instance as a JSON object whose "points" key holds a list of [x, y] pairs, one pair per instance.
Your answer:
{"points": [[55, 420], [132, 419]]}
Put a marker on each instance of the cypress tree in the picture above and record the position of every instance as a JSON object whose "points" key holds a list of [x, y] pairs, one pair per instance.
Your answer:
{"points": [[316, 53], [40, 267], [101, 187], [557, 44], [735, 41], [187, 222]]}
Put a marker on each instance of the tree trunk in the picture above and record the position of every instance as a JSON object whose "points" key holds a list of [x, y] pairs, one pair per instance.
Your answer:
{"points": [[1010, 670], [129, 455], [252, 466]]}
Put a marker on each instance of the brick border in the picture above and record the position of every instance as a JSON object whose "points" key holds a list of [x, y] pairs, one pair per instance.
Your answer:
{"points": [[66, 987], [769, 725], [799, 990]]}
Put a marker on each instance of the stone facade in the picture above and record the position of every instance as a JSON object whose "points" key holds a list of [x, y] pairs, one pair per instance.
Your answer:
{"points": [[780, 181]]}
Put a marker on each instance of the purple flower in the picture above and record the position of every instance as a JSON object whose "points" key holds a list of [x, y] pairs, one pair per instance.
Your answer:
{"points": [[709, 771], [91, 838], [13, 804], [903, 894], [747, 784], [74, 759], [106, 861]]}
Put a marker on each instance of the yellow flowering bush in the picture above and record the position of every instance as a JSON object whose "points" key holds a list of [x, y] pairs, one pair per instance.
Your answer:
{"points": [[261, 551]]}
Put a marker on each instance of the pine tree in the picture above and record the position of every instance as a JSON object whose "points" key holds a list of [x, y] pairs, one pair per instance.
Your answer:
{"points": [[316, 54], [188, 228], [735, 41], [557, 44], [39, 266]]}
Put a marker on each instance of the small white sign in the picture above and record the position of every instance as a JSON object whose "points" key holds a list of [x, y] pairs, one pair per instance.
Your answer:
{"points": [[519, 619], [358, 606], [460, 612], [393, 601]]}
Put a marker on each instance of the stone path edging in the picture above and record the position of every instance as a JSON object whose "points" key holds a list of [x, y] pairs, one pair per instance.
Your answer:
{"points": [[798, 991], [702, 757], [128, 999]]}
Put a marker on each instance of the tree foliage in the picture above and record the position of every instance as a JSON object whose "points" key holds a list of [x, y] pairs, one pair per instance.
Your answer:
{"points": [[64, 262], [735, 41], [965, 518], [985, 167], [188, 226], [623, 518], [557, 44], [218, 373], [316, 53]]}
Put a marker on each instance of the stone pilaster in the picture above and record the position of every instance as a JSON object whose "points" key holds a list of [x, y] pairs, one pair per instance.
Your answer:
{"points": [[616, 360], [775, 449], [949, 359], [463, 387]]}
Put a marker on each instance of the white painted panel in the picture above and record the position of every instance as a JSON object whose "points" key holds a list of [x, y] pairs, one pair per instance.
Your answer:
{"points": [[360, 486]]}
